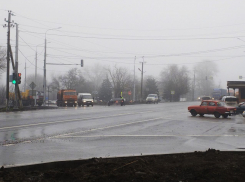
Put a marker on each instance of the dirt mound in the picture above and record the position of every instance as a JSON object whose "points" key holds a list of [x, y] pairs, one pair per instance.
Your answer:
{"points": [[211, 165]]}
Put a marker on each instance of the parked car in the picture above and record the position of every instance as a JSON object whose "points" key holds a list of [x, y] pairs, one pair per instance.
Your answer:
{"points": [[240, 108], [230, 100], [216, 108], [116, 101], [152, 98]]}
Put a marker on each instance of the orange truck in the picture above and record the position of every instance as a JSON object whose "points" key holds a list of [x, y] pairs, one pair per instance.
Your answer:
{"points": [[67, 98]]}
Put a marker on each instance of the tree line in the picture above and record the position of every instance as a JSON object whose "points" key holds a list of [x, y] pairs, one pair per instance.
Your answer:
{"points": [[174, 81]]}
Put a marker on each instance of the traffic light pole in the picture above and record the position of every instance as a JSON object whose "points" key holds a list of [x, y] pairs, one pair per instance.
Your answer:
{"points": [[16, 67]]}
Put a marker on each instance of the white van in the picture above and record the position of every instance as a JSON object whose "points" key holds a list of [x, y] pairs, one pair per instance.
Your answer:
{"points": [[85, 99], [230, 100]]}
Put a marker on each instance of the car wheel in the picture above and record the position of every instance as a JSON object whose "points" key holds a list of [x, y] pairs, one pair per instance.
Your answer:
{"points": [[225, 115], [193, 113], [79, 105], [217, 115], [201, 115], [92, 105]]}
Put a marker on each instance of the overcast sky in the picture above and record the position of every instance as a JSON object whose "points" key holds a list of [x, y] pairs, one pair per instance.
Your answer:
{"points": [[112, 32]]}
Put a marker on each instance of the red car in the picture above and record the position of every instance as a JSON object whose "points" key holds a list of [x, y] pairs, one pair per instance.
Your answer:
{"points": [[216, 108]]}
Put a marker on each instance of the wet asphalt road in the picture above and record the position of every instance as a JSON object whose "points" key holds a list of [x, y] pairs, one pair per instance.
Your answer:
{"points": [[101, 131]]}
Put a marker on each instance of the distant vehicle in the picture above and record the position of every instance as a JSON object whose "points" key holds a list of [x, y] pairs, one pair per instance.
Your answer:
{"points": [[240, 108], [28, 98], [230, 100], [204, 98], [152, 98], [218, 93], [51, 102], [67, 98], [216, 108], [85, 99], [116, 101]]}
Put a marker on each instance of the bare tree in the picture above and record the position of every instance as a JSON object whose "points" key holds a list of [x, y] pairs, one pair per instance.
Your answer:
{"points": [[121, 80], [95, 75], [3, 61], [72, 79], [175, 79], [204, 82]]}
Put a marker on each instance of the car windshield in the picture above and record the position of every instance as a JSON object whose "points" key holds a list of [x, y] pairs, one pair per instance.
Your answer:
{"points": [[151, 95], [231, 99], [87, 97]]}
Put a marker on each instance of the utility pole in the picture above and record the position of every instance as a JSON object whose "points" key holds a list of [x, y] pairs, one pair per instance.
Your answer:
{"points": [[44, 75], [36, 68], [134, 80], [193, 93], [44, 68], [16, 66], [8, 56], [142, 72], [25, 78]]}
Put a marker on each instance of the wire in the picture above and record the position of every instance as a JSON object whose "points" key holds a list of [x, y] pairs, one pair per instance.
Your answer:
{"points": [[28, 59], [27, 44], [141, 39], [219, 26]]}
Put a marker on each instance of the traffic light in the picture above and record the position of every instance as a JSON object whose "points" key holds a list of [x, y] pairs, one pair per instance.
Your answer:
{"points": [[81, 62], [19, 78], [14, 78]]}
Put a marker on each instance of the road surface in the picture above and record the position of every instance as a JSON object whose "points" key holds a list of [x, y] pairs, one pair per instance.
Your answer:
{"points": [[84, 132]]}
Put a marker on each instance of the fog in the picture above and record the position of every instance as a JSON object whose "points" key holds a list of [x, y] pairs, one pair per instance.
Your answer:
{"points": [[113, 32]]}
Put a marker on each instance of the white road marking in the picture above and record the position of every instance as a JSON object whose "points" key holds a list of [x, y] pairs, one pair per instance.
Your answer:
{"points": [[97, 136], [94, 129], [77, 119]]}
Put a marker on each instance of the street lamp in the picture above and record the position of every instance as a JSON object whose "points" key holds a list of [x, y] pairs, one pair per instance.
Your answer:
{"points": [[45, 54]]}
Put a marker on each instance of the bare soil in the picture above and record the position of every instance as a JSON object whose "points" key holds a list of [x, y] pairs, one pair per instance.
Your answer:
{"points": [[212, 165]]}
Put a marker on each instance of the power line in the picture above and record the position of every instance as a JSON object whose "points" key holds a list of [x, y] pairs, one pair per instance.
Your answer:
{"points": [[218, 26], [28, 59], [140, 39]]}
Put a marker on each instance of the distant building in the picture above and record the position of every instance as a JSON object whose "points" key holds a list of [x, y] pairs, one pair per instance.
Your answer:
{"points": [[238, 89]]}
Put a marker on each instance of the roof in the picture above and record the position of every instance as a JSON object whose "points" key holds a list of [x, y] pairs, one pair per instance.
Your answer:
{"points": [[236, 84]]}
